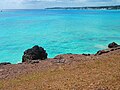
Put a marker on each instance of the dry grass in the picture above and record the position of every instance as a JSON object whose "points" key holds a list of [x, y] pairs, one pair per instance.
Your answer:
{"points": [[100, 74]]}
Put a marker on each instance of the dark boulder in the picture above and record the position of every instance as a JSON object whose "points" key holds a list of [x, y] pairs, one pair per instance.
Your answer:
{"points": [[5, 63], [113, 45], [34, 53], [86, 54]]}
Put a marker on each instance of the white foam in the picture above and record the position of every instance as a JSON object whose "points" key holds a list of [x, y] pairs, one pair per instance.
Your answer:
{"points": [[100, 46]]}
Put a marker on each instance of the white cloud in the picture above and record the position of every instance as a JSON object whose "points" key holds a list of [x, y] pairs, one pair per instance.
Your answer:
{"points": [[51, 3]]}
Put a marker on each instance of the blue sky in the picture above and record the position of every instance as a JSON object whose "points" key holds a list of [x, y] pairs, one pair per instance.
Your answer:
{"points": [[36, 4]]}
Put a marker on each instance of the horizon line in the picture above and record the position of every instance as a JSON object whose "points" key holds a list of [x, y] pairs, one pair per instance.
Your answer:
{"points": [[57, 7]]}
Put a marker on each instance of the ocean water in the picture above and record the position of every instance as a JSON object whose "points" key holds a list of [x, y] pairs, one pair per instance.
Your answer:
{"points": [[58, 31]]}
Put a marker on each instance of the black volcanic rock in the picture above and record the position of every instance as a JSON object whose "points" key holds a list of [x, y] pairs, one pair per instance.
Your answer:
{"points": [[100, 52], [86, 54], [113, 45], [5, 63], [34, 53]]}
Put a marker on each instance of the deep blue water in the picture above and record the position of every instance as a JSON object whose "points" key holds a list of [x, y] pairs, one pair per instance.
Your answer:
{"points": [[58, 31]]}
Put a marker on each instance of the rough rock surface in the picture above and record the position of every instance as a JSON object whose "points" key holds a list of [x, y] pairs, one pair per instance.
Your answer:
{"points": [[5, 63], [102, 52], [112, 45], [34, 53]]}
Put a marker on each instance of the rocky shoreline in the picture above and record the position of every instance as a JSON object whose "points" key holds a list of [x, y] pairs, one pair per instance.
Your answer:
{"points": [[31, 64], [36, 54]]}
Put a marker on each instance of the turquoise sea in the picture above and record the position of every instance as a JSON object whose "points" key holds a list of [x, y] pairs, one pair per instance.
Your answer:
{"points": [[58, 31]]}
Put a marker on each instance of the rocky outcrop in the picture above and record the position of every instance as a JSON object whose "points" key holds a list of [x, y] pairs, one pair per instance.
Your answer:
{"points": [[35, 53], [102, 52], [5, 63], [86, 54], [112, 45]]}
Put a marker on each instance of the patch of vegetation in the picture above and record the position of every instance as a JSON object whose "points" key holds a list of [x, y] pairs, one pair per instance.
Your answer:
{"points": [[98, 7]]}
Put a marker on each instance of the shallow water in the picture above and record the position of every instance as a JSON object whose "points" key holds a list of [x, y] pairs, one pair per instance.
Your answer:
{"points": [[58, 31]]}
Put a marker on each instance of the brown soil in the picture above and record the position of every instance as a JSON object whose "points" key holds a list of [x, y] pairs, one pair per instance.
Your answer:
{"points": [[65, 72]]}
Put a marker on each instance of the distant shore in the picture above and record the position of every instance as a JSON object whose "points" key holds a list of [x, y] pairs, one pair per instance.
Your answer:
{"points": [[116, 7]]}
